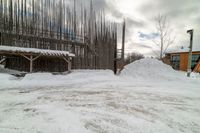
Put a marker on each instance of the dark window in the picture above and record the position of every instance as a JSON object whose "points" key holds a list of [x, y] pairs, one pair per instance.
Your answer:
{"points": [[175, 59], [195, 59]]}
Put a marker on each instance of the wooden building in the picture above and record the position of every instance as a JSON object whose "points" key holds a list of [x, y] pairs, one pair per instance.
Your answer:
{"points": [[179, 60], [85, 34], [31, 55]]}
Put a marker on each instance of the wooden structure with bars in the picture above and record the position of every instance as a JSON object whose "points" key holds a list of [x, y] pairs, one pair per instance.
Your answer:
{"points": [[51, 25]]}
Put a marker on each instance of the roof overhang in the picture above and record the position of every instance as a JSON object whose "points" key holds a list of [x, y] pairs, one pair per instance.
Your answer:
{"points": [[10, 50]]}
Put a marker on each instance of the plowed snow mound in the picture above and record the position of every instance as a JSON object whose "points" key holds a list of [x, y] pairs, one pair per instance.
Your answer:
{"points": [[150, 69]]}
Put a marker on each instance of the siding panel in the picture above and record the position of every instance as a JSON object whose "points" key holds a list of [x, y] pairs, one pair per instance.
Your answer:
{"points": [[183, 61]]}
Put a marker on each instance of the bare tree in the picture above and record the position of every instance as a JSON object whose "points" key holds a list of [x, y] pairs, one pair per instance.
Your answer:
{"points": [[164, 31], [133, 57]]}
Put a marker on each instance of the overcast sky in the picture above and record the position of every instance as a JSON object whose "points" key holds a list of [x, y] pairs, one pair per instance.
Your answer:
{"points": [[140, 14]]}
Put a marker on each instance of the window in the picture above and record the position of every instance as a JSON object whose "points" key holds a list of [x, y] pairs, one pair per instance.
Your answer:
{"points": [[175, 59], [195, 59]]}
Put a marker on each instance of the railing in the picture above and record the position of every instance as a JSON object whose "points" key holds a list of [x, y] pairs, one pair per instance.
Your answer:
{"points": [[46, 34]]}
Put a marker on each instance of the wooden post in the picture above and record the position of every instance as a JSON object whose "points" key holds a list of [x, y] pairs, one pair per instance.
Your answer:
{"points": [[115, 58], [69, 64], [31, 59], [31, 64]]}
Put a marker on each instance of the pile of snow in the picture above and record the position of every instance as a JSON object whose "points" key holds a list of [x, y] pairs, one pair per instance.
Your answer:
{"points": [[149, 68]]}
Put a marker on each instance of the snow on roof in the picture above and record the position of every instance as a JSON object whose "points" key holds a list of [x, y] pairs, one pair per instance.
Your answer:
{"points": [[36, 51], [182, 51]]}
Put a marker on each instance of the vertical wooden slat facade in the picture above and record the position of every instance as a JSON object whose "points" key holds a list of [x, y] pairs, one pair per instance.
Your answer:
{"points": [[52, 24]]}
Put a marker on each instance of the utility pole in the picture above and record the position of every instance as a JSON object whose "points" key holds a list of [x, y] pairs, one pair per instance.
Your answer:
{"points": [[189, 70], [123, 41], [115, 59]]}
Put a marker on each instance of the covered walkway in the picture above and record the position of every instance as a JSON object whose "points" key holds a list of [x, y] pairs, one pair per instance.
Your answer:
{"points": [[32, 54]]}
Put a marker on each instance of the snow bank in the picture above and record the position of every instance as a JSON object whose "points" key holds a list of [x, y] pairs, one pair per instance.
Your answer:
{"points": [[195, 75], [48, 79], [9, 71], [7, 80], [78, 76], [150, 69], [6, 77]]}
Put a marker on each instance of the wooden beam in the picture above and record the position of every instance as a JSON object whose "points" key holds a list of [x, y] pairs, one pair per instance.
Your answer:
{"points": [[31, 64], [69, 64], [31, 59], [2, 60], [26, 57], [36, 57]]}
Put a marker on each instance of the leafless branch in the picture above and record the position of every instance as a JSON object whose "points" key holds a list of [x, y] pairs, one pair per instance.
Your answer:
{"points": [[165, 32]]}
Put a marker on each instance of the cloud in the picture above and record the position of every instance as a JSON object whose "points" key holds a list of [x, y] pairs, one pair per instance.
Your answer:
{"points": [[182, 15], [149, 36]]}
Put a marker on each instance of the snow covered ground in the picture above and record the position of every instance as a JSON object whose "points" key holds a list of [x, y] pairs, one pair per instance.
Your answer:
{"points": [[147, 97]]}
